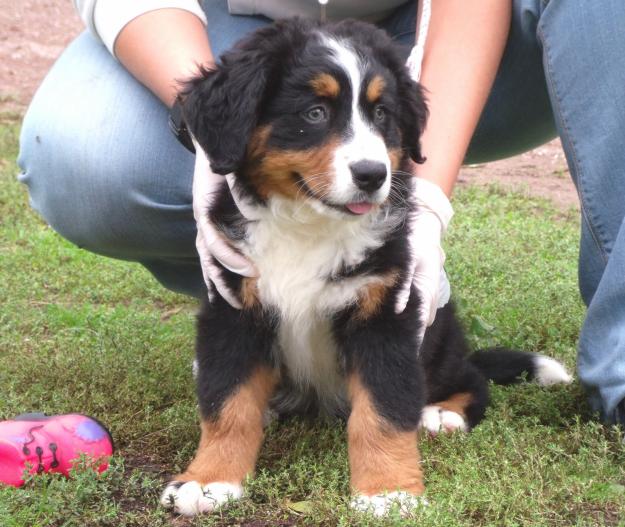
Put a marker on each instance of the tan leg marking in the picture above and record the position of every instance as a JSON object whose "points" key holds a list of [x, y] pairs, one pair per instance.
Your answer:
{"points": [[381, 458], [371, 296], [458, 403], [229, 445]]}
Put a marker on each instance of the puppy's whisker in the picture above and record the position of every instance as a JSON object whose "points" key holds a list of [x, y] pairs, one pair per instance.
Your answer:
{"points": [[315, 180], [317, 189], [398, 202], [310, 181], [403, 173]]}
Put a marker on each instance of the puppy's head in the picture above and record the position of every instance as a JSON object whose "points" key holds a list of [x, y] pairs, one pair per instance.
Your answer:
{"points": [[323, 113]]}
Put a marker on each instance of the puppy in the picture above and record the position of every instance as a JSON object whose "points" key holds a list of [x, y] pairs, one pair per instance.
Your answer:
{"points": [[318, 125]]}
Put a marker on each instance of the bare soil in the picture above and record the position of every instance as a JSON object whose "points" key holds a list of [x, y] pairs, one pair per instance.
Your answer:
{"points": [[34, 33], [541, 172]]}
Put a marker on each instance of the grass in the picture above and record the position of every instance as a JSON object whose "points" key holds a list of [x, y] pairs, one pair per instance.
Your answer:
{"points": [[79, 332]]}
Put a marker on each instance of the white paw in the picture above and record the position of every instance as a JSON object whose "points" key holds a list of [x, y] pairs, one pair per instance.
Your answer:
{"points": [[549, 371], [434, 419], [191, 498], [381, 504]]}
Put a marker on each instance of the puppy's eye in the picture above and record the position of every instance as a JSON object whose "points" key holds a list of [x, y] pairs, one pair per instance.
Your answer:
{"points": [[379, 113], [316, 114]]}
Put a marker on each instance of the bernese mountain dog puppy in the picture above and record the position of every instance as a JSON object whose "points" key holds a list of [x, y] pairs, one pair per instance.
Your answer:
{"points": [[317, 123]]}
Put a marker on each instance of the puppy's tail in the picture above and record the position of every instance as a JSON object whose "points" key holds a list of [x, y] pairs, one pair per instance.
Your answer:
{"points": [[504, 366]]}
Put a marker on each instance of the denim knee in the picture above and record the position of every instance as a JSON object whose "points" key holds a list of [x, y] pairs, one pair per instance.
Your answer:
{"points": [[100, 163]]}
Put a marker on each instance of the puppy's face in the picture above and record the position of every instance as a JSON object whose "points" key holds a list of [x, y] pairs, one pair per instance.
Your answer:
{"points": [[328, 115], [329, 133]]}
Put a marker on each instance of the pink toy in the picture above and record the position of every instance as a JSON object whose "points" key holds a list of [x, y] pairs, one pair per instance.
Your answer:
{"points": [[50, 444]]}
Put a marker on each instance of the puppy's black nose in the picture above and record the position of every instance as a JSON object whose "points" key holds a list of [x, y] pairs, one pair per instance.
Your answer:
{"points": [[368, 175]]}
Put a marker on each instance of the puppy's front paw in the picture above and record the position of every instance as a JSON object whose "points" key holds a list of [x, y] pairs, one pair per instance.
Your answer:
{"points": [[382, 504], [190, 498], [435, 419]]}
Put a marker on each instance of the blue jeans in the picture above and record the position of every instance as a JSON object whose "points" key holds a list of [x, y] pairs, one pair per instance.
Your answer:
{"points": [[104, 171]]}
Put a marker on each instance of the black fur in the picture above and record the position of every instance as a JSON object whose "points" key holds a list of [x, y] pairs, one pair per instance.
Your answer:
{"points": [[382, 351], [504, 366], [443, 356]]}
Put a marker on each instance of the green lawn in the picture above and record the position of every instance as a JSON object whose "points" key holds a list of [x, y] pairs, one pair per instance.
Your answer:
{"points": [[83, 333]]}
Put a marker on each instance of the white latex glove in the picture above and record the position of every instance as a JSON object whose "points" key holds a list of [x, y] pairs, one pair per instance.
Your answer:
{"points": [[427, 225], [209, 242]]}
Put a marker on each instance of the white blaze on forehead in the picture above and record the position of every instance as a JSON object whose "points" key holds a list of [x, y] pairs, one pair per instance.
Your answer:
{"points": [[351, 63], [364, 143]]}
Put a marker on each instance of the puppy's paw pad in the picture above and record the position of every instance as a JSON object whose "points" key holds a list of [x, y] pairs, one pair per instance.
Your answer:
{"points": [[435, 419], [382, 504], [190, 498]]}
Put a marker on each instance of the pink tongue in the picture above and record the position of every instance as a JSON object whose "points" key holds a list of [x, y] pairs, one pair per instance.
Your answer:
{"points": [[359, 208]]}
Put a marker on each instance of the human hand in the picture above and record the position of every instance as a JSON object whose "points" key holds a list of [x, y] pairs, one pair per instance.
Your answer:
{"points": [[427, 225], [210, 244]]}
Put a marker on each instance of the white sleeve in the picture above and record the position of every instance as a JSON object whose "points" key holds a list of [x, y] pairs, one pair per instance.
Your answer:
{"points": [[106, 18]]}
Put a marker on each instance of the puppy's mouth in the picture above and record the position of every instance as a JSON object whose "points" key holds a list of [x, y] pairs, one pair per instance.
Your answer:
{"points": [[359, 207], [356, 208]]}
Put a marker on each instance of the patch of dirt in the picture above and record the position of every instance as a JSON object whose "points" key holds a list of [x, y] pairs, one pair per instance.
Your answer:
{"points": [[541, 172], [33, 33], [606, 514]]}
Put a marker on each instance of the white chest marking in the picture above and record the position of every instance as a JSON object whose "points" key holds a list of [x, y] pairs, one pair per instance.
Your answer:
{"points": [[296, 250]]}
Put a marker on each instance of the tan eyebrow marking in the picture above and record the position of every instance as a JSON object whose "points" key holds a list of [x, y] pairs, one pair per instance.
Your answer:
{"points": [[325, 85], [375, 88]]}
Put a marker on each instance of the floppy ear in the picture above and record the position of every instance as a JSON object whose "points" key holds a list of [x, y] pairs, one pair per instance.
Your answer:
{"points": [[413, 115], [221, 106]]}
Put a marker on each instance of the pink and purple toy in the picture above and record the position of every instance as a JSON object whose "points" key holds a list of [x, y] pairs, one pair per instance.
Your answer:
{"points": [[43, 443]]}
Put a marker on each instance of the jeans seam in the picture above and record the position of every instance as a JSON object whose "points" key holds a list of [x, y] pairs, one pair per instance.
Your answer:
{"points": [[583, 198]]}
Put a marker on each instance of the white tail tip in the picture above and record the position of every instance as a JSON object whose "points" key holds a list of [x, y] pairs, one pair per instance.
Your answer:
{"points": [[549, 371]]}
